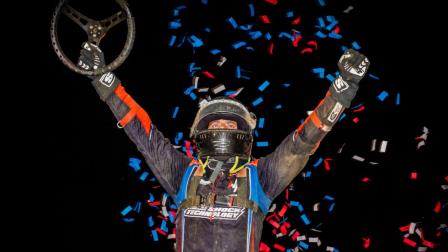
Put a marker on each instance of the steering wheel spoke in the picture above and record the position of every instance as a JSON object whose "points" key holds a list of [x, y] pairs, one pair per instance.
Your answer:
{"points": [[80, 19], [113, 20]]}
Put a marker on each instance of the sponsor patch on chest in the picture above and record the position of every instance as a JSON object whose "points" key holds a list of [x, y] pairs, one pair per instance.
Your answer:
{"points": [[220, 213]]}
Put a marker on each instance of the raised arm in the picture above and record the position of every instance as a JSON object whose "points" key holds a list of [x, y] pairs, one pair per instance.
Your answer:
{"points": [[164, 160], [279, 168]]}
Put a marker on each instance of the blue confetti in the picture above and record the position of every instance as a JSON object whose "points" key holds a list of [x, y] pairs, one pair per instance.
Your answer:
{"points": [[163, 226], [137, 207], [135, 164], [342, 117], [151, 197], [397, 100], [382, 96], [289, 14], [335, 35], [255, 34], [126, 210], [178, 137], [267, 36], [320, 71], [321, 2], [303, 245], [173, 25], [305, 219], [232, 22], [256, 133], [257, 101], [195, 41], [287, 35], [172, 40], [262, 144], [330, 77], [374, 77], [320, 34], [215, 51], [150, 221], [261, 122], [143, 176], [263, 86], [238, 72], [355, 45], [208, 29], [205, 2], [238, 44], [321, 22], [331, 25], [188, 90], [155, 236], [251, 10], [318, 162], [246, 27], [128, 220], [331, 207], [279, 106], [286, 85], [297, 204], [308, 174], [171, 218], [176, 110], [328, 197]]}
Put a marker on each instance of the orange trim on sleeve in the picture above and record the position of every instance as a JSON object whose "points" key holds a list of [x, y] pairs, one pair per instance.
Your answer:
{"points": [[134, 110]]}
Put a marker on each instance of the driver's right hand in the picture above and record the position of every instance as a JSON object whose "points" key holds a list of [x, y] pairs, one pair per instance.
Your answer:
{"points": [[91, 57]]}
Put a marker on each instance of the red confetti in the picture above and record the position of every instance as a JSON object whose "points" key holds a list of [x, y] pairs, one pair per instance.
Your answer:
{"points": [[295, 43], [187, 147], [405, 228], [365, 179], [155, 203], [337, 29], [271, 48], [208, 74], [274, 2], [160, 231], [264, 247], [438, 206], [306, 50], [295, 235], [265, 19], [428, 244], [356, 120], [413, 175], [326, 164], [283, 211], [274, 223], [409, 242], [279, 247], [362, 108], [283, 229], [313, 43], [366, 243], [296, 21]]}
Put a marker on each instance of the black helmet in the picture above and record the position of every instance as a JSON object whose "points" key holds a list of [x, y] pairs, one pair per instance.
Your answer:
{"points": [[223, 142]]}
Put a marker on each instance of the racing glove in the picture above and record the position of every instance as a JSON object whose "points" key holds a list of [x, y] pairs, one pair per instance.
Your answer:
{"points": [[352, 68], [92, 58]]}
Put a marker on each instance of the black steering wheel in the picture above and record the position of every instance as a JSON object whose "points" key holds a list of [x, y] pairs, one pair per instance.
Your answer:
{"points": [[96, 30]]}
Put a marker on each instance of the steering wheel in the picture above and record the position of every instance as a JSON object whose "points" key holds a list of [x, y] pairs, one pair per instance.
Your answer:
{"points": [[96, 30]]}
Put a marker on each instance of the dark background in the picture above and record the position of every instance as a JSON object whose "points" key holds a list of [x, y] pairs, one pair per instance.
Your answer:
{"points": [[404, 42]]}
